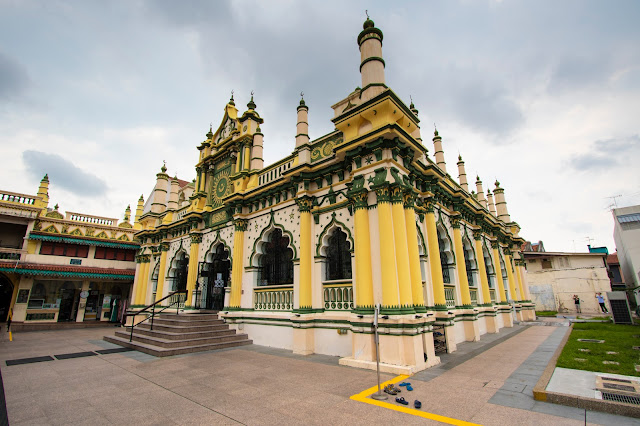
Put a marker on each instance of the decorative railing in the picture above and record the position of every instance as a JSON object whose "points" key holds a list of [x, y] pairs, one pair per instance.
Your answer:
{"points": [[492, 293], [15, 197], [450, 296], [177, 299], [274, 172], [182, 212], [96, 220], [338, 296], [273, 298], [11, 253], [473, 292]]}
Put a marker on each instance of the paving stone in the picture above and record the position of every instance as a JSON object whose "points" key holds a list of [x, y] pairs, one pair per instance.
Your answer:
{"points": [[580, 359], [611, 362]]}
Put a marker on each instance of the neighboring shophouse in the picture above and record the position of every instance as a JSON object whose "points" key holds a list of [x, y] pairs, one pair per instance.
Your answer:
{"points": [[626, 234], [57, 268], [363, 216], [554, 278]]}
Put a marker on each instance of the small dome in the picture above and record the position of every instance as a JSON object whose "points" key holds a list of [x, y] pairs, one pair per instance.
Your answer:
{"points": [[368, 24]]}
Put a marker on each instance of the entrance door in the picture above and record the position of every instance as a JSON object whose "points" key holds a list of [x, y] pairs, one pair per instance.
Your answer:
{"points": [[68, 305], [6, 292], [180, 282], [217, 278]]}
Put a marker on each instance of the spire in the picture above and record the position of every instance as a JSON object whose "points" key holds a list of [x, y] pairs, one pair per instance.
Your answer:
{"points": [[163, 169], [481, 199], [492, 206], [251, 105], [371, 62], [210, 133], [231, 101], [127, 213], [302, 126], [462, 174], [139, 209], [413, 108], [501, 204], [438, 152], [43, 194]]}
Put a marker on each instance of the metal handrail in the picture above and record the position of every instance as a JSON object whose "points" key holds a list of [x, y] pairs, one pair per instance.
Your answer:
{"points": [[153, 310]]}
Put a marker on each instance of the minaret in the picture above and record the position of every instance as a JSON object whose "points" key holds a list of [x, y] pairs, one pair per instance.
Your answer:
{"points": [[501, 204], [438, 152], [492, 206], [160, 191], [371, 62], [481, 199], [173, 195], [257, 160], [462, 174], [127, 213], [302, 127], [139, 209], [43, 193], [416, 133]]}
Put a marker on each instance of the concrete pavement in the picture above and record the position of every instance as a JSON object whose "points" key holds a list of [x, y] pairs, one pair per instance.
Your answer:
{"points": [[487, 382]]}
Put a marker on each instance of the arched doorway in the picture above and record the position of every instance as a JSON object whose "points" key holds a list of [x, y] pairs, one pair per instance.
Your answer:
{"points": [[179, 271], [214, 276], [6, 292]]}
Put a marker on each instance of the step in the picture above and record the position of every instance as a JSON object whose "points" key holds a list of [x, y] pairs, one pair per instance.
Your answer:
{"points": [[161, 352], [167, 343], [186, 321], [187, 328], [179, 336], [194, 316]]}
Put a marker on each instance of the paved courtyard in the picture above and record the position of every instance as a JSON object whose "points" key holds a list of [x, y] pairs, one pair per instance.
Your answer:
{"points": [[488, 382]]}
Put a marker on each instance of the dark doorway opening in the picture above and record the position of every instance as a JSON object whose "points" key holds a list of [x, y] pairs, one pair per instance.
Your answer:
{"points": [[6, 292], [68, 305], [215, 276]]}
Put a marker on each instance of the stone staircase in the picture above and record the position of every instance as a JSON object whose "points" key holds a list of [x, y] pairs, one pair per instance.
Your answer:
{"points": [[180, 334]]}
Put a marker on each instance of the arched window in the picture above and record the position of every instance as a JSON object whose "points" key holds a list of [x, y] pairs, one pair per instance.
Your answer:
{"points": [[276, 262], [469, 265], [338, 257], [488, 264], [505, 279], [180, 271], [444, 261]]}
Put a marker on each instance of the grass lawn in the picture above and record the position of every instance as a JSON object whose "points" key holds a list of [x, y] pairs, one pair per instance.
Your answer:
{"points": [[546, 313], [618, 338]]}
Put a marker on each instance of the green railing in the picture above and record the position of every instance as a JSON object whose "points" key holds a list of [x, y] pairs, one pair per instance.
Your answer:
{"points": [[450, 296], [273, 298], [338, 296], [473, 292]]}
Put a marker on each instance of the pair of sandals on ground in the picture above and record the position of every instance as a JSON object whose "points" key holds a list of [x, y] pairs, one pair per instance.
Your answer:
{"points": [[392, 390]]}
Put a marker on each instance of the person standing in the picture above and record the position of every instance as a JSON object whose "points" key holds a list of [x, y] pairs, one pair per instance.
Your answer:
{"points": [[576, 300], [601, 302]]}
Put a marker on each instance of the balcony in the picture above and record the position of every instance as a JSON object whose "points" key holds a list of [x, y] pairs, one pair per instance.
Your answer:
{"points": [[7, 253]]}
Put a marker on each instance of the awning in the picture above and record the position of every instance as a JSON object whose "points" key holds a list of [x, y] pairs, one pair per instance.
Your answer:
{"points": [[71, 240], [626, 218]]}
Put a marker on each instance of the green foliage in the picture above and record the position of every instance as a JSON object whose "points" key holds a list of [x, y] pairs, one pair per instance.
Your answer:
{"points": [[546, 313], [618, 338]]}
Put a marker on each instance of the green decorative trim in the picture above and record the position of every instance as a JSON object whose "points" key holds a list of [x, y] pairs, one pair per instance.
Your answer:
{"points": [[66, 274], [397, 310], [216, 241], [338, 224], [396, 194], [372, 58], [370, 30], [196, 238], [52, 238], [272, 224], [363, 310], [420, 309], [307, 310], [241, 225], [305, 203]]}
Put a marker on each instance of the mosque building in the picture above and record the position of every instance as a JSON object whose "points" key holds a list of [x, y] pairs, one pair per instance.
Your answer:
{"points": [[298, 253]]}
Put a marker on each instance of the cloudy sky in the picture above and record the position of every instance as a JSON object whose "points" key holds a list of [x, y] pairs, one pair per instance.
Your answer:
{"points": [[542, 95]]}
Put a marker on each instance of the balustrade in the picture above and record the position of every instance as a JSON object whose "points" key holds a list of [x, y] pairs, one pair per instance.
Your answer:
{"points": [[274, 172], [273, 298], [338, 297], [450, 296], [14, 197]]}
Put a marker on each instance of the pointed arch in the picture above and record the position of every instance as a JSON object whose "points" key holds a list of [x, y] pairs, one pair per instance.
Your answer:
{"points": [[323, 239], [263, 239], [218, 240], [178, 268]]}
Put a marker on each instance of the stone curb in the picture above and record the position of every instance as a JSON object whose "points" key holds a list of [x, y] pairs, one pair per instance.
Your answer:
{"points": [[541, 394]]}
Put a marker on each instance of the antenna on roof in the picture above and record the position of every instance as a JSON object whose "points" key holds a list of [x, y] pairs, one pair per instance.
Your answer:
{"points": [[614, 199]]}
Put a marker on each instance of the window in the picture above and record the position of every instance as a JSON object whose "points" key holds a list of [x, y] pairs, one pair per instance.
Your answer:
{"points": [[276, 264], [338, 264], [62, 249], [444, 262], [468, 259], [546, 264], [109, 253]]}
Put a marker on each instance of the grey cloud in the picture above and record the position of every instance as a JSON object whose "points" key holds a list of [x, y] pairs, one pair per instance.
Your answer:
{"points": [[14, 79], [575, 73], [607, 153], [63, 173], [191, 13]]}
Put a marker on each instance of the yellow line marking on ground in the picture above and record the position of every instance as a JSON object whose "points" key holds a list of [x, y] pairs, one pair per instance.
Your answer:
{"points": [[364, 397]]}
